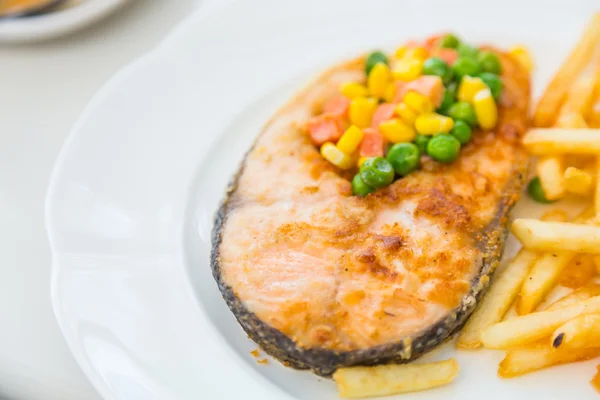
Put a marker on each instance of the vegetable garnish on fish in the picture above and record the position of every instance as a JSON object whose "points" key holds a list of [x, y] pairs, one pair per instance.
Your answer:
{"points": [[366, 220]]}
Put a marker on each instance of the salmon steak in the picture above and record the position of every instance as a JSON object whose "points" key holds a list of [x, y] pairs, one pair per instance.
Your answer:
{"points": [[323, 270]]}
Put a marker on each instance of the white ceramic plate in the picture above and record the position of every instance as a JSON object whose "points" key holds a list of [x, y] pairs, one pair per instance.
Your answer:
{"points": [[46, 26], [131, 202]]}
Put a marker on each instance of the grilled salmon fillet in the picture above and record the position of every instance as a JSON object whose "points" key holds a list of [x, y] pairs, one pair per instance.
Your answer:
{"points": [[322, 279]]}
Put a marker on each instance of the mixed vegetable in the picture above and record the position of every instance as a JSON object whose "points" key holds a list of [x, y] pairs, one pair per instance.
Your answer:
{"points": [[425, 100]]}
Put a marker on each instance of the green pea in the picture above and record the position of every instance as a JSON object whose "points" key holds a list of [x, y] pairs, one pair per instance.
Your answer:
{"points": [[536, 191], [449, 98], [359, 187], [449, 41], [377, 172], [404, 157], [465, 50], [465, 66], [373, 59], [443, 148], [462, 131], [489, 62], [437, 66], [421, 142], [494, 82], [463, 111]]}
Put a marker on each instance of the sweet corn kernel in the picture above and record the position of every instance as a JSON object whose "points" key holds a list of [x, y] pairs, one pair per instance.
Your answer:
{"points": [[378, 80], [419, 103], [432, 123], [407, 69], [578, 181], [361, 111], [396, 131], [523, 57], [336, 157], [390, 92], [400, 51], [468, 87], [361, 161], [485, 109], [418, 53], [350, 140], [406, 113], [353, 90]]}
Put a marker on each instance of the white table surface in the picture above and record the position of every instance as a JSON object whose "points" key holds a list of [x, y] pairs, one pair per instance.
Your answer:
{"points": [[43, 88]]}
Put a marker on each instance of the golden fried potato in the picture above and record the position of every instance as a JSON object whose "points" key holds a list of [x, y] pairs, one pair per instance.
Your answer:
{"points": [[497, 301], [582, 332], [538, 356], [529, 328], [384, 380]]}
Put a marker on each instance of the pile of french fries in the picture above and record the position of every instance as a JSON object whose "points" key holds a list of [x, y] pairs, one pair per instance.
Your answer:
{"points": [[556, 251]]}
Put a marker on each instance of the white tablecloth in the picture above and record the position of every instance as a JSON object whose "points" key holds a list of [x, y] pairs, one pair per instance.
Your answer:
{"points": [[43, 88]]}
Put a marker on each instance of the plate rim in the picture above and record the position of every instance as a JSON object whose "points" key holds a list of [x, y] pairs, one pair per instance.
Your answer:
{"points": [[52, 25]]}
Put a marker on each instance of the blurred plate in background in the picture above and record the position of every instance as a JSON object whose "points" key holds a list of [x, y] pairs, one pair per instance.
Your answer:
{"points": [[65, 18]]}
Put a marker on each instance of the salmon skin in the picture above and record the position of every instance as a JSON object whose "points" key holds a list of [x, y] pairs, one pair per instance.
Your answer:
{"points": [[321, 279]]}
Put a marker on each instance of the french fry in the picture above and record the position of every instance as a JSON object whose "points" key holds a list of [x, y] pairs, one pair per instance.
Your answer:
{"points": [[582, 332], [557, 141], [578, 181], [556, 215], [551, 170], [384, 380], [557, 236], [540, 281], [539, 356], [529, 328], [597, 262], [579, 272], [594, 114], [497, 301], [573, 66], [597, 194], [579, 97], [596, 379], [577, 296]]}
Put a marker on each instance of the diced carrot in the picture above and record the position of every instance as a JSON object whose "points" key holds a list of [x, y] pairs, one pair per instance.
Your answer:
{"points": [[337, 106], [412, 43], [372, 144], [324, 128], [384, 111], [430, 86], [431, 41], [401, 90], [448, 55]]}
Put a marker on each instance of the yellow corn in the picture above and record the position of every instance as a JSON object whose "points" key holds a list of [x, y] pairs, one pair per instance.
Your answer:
{"points": [[485, 109], [361, 111], [350, 140], [418, 53], [468, 87], [406, 113], [396, 131], [400, 51], [361, 161], [354, 89], [523, 57], [432, 123], [578, 181], [390, 92], [407, 69], [336, 157], [419, 103], [378, 80]]}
